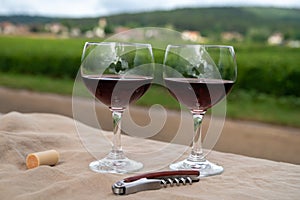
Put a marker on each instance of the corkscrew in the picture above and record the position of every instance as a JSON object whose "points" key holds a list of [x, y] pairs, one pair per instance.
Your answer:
{"points": [[155, 180]]}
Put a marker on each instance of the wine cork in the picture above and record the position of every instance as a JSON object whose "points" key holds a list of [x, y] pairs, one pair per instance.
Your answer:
{"points": [[49, 157]]}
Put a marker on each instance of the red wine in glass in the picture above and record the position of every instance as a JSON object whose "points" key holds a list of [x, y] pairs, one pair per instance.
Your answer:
{"points": [[116, 90], [208, 92]]}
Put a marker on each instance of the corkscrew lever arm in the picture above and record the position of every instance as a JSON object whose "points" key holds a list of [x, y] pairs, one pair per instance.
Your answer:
{"points": [[155, 180]]}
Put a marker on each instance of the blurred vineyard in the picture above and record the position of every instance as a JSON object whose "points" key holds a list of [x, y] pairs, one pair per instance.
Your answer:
{"points": [[266, 74], [264, 69]]}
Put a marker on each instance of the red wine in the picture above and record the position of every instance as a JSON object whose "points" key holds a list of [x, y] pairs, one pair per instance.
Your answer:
{"points": [[198, 94], [117, 91]]}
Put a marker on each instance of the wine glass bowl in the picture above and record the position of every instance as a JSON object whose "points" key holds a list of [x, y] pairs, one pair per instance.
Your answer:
{"points": [[117, 74], [199, 76]]}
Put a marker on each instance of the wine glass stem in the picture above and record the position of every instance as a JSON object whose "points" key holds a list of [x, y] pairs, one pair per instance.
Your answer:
{"points": [[197, 152], [116, 146]]}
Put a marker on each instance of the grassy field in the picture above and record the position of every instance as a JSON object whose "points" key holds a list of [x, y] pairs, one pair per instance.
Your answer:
{"points": [[36, 83], [267, 89], [241, 104]]}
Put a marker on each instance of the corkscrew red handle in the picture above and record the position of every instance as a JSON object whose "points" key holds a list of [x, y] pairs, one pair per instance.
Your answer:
{"points": [[163, 174]]}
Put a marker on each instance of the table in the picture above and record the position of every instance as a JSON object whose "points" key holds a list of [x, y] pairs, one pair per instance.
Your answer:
{"points": [[21, 134]]}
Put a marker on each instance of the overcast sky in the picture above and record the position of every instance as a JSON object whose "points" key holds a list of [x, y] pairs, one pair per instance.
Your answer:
{"points": [[93, 8]]}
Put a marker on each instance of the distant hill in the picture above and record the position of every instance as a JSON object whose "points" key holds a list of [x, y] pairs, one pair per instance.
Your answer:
{"points": [[209, 21], [24, 19]]}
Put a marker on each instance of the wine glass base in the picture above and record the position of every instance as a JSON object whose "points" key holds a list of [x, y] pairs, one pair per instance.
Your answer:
{"points": [[118, 166], [205, 167]]}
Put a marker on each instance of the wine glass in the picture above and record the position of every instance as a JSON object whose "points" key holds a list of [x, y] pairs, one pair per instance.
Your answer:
{"points": [[199, 76], [117, 74]]}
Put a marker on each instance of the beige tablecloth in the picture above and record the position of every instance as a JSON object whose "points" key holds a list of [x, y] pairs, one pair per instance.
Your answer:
{"points": [[20, 134]]}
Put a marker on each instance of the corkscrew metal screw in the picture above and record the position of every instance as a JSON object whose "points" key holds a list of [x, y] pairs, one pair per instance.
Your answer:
{"points": [[155, 180]]}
